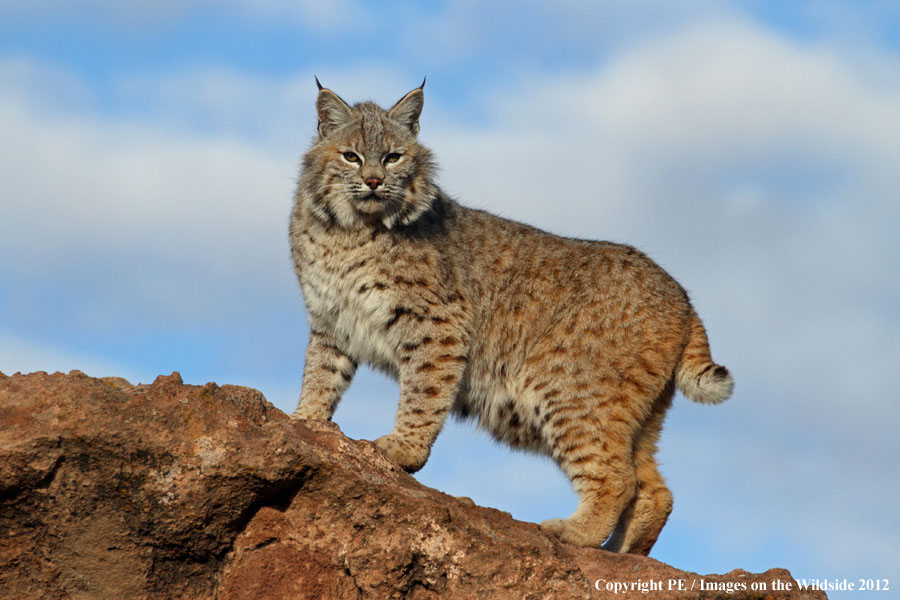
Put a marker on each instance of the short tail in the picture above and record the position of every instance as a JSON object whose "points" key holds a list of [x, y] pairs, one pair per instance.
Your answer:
{"points": [[697, 376]]}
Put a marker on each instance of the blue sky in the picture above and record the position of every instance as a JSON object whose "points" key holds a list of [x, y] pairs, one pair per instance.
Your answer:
{"points": [[751, 148]]}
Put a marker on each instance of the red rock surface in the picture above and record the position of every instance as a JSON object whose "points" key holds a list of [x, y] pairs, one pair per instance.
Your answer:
{"points": [[115, 491]]}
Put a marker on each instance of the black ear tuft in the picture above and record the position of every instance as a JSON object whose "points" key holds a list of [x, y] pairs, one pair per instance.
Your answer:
{"points": [[319, 85]]}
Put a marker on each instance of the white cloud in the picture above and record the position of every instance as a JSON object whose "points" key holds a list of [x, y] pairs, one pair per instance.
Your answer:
{"points": [[712, 98], [136, 199]]}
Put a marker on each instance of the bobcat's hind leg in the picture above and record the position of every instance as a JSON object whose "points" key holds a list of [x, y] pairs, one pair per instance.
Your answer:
{"points": [[644, 519], [594, 450]]}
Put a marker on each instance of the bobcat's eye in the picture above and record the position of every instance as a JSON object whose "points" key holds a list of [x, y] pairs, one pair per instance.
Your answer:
{"points": [[351, 157], [391, 158]]}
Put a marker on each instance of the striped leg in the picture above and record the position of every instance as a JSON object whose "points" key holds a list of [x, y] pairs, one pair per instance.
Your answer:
{"points": [[594, 450], [326, 374], [641, 524], [431, 369]]}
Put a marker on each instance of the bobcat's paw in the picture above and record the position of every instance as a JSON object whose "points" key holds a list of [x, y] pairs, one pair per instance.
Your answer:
{"points": [[567, 531], [554, 527], [411, 458], [311, 411]]}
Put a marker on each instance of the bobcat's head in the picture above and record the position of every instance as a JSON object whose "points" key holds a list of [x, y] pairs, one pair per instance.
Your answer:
{"points": [[366, 166]]}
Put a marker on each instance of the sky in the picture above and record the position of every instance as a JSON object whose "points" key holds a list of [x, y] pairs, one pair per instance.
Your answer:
{"points": [[150, 150]]}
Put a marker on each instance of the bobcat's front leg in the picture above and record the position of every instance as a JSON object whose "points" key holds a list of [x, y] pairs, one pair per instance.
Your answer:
{"points": [[326, 374], [431, 369]]}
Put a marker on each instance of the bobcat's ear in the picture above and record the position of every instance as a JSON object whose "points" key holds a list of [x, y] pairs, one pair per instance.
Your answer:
{"points": [[408, 109], [333, 112]]}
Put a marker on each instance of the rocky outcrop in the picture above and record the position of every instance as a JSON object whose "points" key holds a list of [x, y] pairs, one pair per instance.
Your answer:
{"points": [[111, 491]]}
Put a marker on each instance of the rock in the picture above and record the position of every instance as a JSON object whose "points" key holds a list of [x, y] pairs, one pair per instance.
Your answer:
{"points": [[110, 490]]}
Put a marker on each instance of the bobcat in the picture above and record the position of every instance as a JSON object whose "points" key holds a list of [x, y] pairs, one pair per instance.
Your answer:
{"points": [[566, 347]]}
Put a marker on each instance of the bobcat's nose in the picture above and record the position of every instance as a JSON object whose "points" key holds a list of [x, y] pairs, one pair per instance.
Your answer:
{"points": [[373, 182]]}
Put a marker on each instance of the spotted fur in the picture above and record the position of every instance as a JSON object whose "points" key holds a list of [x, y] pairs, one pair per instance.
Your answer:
{"points": [[566, 347]]}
